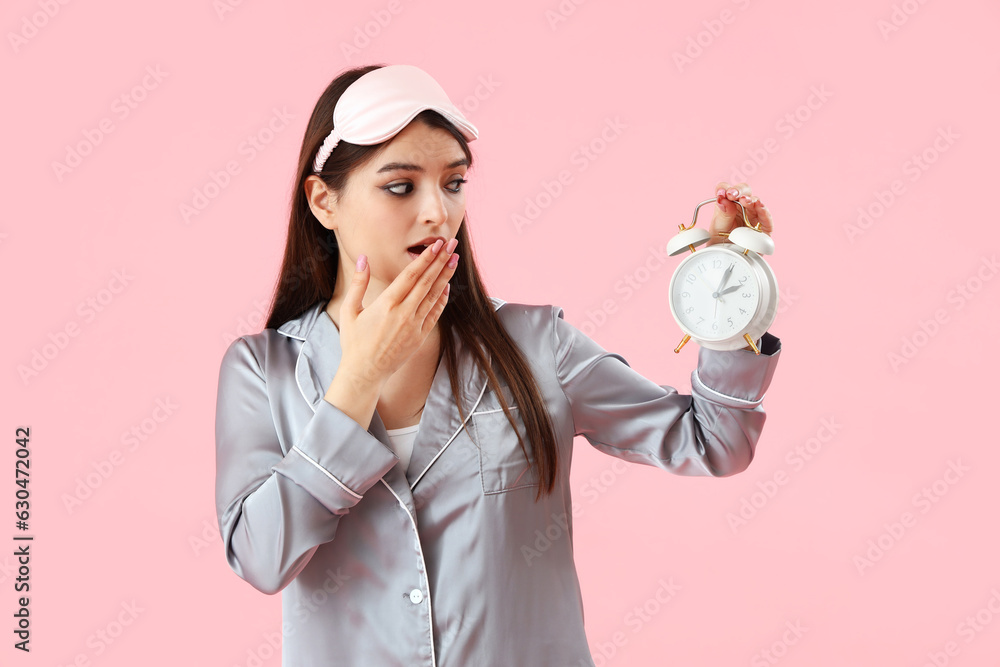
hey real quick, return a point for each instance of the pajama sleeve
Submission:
(274, 507)
(712, 431)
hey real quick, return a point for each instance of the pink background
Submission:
(819, 107)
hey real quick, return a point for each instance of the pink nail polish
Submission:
(362, 262)
(453, 261)
(437, 246)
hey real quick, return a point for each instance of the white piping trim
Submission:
(325, 471)
(489, 412)
(453, 435)
(295, 372)
(705, 387)
(423, 561)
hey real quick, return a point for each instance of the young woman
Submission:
(393, 449)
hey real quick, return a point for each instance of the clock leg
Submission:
(685, 340)
(749, 340)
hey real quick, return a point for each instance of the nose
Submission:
(433, 208)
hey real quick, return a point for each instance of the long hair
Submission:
(309, 274)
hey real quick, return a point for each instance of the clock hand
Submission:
(730, 289)
(725, 279)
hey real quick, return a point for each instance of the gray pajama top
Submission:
(437, 566)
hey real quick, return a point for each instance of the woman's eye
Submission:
(393, 190)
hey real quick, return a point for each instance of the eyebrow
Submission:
(406, 166)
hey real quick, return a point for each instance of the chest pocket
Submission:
(502, 464)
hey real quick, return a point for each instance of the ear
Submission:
(322, 201)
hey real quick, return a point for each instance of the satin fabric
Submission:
(451, 563)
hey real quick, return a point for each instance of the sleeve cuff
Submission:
(336, 460)
(736, 378)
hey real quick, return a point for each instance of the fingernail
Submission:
(453, 261)
(733, 192)
(721, 192)
(362, 262)
(452, 244)
(447, 289)
(437, 246)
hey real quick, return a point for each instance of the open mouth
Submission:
(416, 249)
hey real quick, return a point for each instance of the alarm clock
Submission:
(724, 296)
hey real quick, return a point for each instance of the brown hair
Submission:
(309, 274)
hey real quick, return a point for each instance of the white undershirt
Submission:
(402, 442)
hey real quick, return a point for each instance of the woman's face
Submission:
(411, 191)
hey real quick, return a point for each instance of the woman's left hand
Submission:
(729, 216)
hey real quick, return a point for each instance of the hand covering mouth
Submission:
(420, 247)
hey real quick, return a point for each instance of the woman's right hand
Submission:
(378, 339)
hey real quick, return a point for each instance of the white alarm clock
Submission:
(724, 296)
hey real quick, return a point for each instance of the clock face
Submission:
(715, 294)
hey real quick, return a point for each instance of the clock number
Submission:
(743, 311)
(717, 263)
(743, 280)
(700, 320)
(747, 295)
(686, 295)
(730, 320)
(690, 310)
(690, 278)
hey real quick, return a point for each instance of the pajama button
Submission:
(416, 597)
